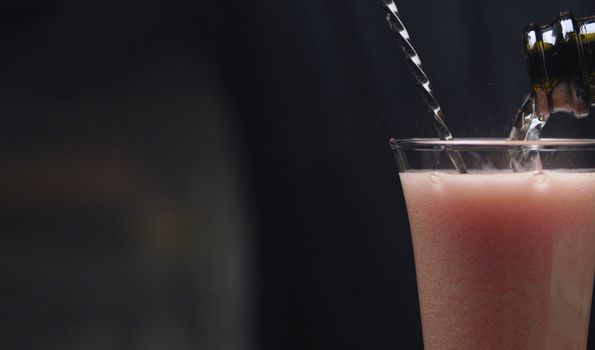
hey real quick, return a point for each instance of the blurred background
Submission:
(215, 174)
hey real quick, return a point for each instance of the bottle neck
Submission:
(587, 34)
(560, 66)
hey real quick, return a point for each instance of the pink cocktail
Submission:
(504, 260)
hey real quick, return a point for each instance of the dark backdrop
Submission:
(215, 174)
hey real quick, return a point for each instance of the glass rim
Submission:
(434, 144)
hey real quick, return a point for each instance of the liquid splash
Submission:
(528, 124)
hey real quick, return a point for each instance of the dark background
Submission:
(215, 174)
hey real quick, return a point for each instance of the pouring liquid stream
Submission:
(528, 126)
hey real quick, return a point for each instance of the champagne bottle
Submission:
(561, 62)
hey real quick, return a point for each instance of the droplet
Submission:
(434, 178)
(539, 177)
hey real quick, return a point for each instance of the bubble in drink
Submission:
(539, 177)
(434, 178)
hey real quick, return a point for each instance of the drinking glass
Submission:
(504, 258)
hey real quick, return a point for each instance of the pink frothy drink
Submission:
(504, 260)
